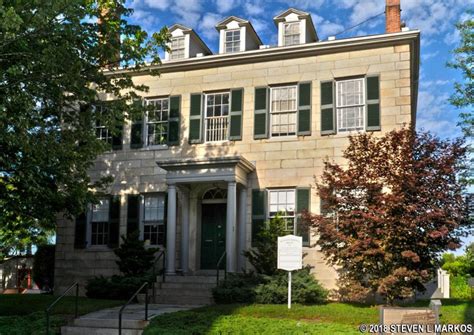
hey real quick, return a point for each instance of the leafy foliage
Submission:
(396, 205)
(459, 288)
(263, 256)
(459, 265)
(56, 65)
(134, 258)
(43, 267)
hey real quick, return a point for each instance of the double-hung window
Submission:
(153, 219)
(100, 222)
(282, 203)
(232, 41)
(177, 48)
(291, 33)
(156, 130)
(217, 117)
(350, 104)
(101, 131)
(283, 111)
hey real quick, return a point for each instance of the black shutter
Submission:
(117, 138)
(304, 109)
(258, 213)
(136, 136)
(236, 114)
(195, 119)
(328, 115)
(114, 221)
(373, 103)
(174, 120)
(260, 127)
(302, 203)
(80, 232)
(133, 213)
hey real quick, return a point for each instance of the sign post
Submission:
(290, 257)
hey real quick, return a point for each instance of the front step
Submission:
(72, 330)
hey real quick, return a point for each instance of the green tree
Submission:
(396, 204)
(55, 56)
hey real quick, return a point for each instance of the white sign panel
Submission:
(290, 252)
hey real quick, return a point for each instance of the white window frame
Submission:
(146, 123)
(281, 112)
(177, 52)
(222, 135)
(287, 218)
(105, 224)
(285, 35)
(159, 223)
(234, 45)
(105, 133)
(340, 107)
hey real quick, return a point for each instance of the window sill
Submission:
(155, 147)
(345, 134)
(98, 248)
(292, 138)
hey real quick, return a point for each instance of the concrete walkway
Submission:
(105, 321)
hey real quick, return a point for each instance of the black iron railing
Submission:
(218, 265)
(145, 285)
(50, 307)
(161, 255)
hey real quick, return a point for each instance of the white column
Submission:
(242, 227)
(230, 238)
(171, 231)
(185, 233)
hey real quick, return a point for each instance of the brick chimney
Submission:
(392, 16)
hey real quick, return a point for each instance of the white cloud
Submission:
(207, 25)
(324, 27)
(428, 55)
(223, 6)
(303, 4)
(253, 8)
(260, 25)
(158, 4)
(145, 20)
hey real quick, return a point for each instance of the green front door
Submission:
(212, 234)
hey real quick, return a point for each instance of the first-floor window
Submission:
(217, 117)
(100, 222)
(350, 104)
(153, 219)
(282, 203)
(157, 122)
(283, 111)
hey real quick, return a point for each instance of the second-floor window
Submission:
(291, 34)
(100, 222)
(217, 117)
(177, 48)
(153, 219)
(101, 131)
(350, 105)
(232, 41)
(283, 111)
(156, 130)
(282, 203)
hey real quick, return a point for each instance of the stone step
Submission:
(111, 323)
(184, 292)
(184, 300)
(73, 330)
(190, 279)
(168, 285)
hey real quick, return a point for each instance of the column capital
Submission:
(172, 185)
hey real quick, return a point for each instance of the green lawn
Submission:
(24, 314)
(331, 318)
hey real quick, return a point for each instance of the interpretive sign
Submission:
(290, 252)
(290, 257)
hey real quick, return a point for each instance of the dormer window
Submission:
(177, 48)
(292, 33)
(232, 41)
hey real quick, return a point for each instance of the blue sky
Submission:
(435, 19)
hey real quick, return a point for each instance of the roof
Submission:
(223, 24)
(192, 33)
(301, 15)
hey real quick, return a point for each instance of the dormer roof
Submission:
(301, 15)
(242, 22)
(195, 36)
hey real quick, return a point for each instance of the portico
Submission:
(197, 184)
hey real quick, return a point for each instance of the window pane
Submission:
(154, 208)
(350, 105)
(100, 211)
(157, 122)
(217, 120)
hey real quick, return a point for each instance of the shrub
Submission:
(459, 288)
(115, 287)
(134, 258)
(250, 288)
(43, 267)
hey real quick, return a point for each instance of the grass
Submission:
(331, 318)
(24, 314)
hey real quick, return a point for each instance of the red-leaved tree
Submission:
(390, 211)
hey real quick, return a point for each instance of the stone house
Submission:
(236, 137)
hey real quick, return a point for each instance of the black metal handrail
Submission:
(145, 284)
(218, 265)
(161, 254)
(48, 310)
